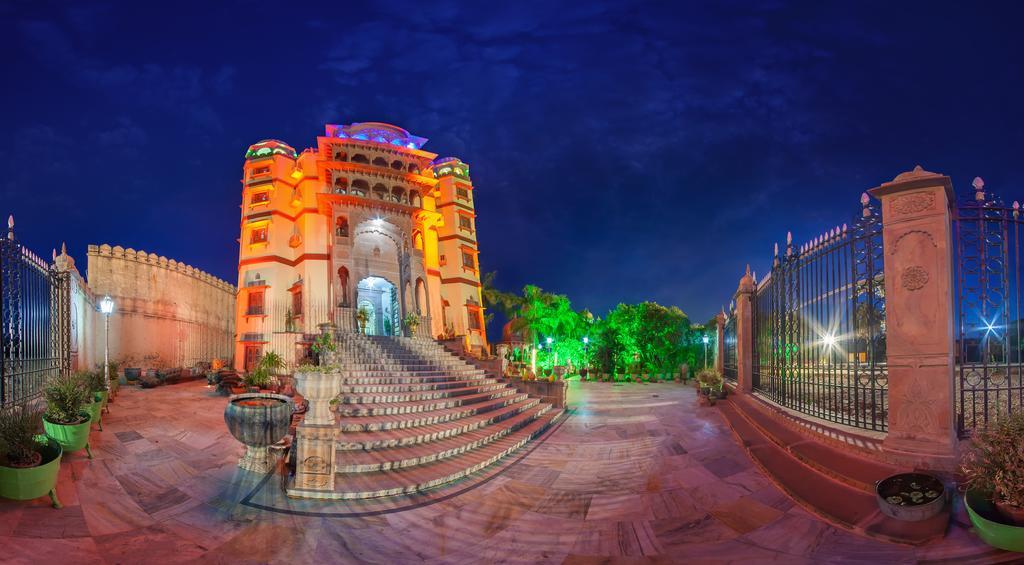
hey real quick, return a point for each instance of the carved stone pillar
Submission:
(917, 235)
(314, 458)
(720, 343)
(745, 333)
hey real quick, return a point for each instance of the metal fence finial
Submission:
(865, 203)
(1016, 209)
(979, 188)
(10, 226)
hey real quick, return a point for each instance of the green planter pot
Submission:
(985, 519)
(94, 409)
(103, 397)
(70, 437)
(34, 482)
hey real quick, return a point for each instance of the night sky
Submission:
(620, 151)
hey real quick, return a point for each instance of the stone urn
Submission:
(258, 420)
(319, 388)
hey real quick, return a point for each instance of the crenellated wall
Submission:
(167, 313)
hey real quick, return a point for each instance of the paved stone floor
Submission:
(637, 473)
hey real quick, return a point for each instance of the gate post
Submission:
(745, 334)
(720, 343)
(917, 238)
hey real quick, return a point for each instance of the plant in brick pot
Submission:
(709, 382)
(362, 317)
(66, 421)
(994, 475)
(412, 322)
(29, 462)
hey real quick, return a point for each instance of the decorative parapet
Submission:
(129, 254)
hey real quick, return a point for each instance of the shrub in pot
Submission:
(993, 470)
(29, 463)
(98, 394)
(257, 379)
(710, 382)
(66, 421)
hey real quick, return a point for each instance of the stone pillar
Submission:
(720, 343)
(745, 333)
(917, 236)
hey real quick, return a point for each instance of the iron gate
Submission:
(34, 322)
(988, 309)
(729, 364)
(819, 326)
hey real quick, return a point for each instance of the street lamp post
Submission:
(706, 339)
(107, 307)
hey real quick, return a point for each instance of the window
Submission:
(442, 260)
(260, 172)
(462, 193)
(261, 197)
(468, 261)
(474, 318)
(297, 302)
(255, 306)
(258, 235)
(252, 356)
(465, 222)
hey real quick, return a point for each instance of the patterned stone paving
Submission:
(637, 473)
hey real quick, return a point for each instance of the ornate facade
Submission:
(365, 220)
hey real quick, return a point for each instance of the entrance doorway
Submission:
(380, 299)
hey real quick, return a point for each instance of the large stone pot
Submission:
(258, 420)
(26, 483)
(319, 388)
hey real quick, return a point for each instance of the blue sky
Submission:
(621, 151)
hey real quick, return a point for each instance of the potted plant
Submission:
(96, 395)
(362, 317)
(257, 379)
(709, 382)
(993, 470)
(411, 321)
(66, 421)
(322, 346)
(29, 463)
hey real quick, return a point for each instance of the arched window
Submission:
(414, 199)
(341, 226)
(417, 240)
(360, 158)
(413, 169)
(340, 155)
(421, 297)
(380, 162)
(380, 191)
(397, 194)
(397, 165)
(340, 185)
(360, 188)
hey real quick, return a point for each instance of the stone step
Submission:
(835, 501)
(386, 459)
(409, 420)
(391, 408)
(408, 372)
(429, 433)
(417, 396)
(423, 477)
(413, 387)
(400, 379)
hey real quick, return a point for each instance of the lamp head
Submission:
(107, 305)
(586, 340)
(705, 339)
(549, 340)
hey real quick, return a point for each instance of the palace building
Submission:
(365, 220)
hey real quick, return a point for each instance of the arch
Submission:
(413, 169)
(397, 194)
(340, 155)
(397, 165)
(360, 158)
(380, 162)
(414, 199)
(421, 297)
(417, 240)
(341, 227)
(380, 191)
(343, 279)
(380, 296)
(360, 187)
(340, 185)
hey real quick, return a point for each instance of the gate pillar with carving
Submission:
(745, 333)
(917, 235)
(720, 343)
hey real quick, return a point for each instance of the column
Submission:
(720, 344)
(917, 235)
(745, 333)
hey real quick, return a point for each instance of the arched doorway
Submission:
(380, 298)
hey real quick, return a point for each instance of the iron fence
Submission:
(34, 322)
(729, 362)
(819, 326)
(987, 379)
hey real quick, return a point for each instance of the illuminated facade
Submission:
(366, 220)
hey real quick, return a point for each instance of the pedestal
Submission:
(314, 459)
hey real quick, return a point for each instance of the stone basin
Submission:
(258, 420)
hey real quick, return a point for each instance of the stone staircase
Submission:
(414, 416)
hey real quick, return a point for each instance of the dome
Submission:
(444, 166)
(270, 147)
(377, 132)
